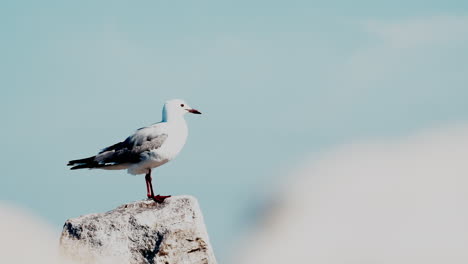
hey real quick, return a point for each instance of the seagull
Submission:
(149, 147)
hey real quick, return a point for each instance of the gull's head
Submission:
(177, 108)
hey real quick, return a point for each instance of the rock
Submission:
(140, 232)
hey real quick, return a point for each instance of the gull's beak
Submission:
(194, 111)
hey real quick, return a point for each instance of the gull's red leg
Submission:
(149, 188)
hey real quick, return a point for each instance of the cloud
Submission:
(420, 32)
(25, 238)
(408, 74)
(390, 201)
(402, 47)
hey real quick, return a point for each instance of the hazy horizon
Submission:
(276, 82)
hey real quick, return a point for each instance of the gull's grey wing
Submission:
(130, 150)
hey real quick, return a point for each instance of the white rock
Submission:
(141, 232)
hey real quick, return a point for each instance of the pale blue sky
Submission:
(276, 81)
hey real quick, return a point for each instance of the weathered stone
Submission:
(141, 232)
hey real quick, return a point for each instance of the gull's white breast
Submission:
(177, 133)
(176, 138)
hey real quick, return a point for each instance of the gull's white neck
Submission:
(177, 130)
(172, 118)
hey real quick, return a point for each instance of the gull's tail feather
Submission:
(88, 163)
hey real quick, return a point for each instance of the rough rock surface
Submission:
(140, 232)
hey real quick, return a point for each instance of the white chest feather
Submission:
(176, 138)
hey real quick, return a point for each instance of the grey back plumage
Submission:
(128, 151)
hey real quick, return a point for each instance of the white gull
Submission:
(149, 147)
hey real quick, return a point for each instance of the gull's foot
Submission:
(160, 198)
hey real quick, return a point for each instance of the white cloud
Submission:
(405, 47)
(406, 69)
(395, 201)
(25, 238)
(417, 32)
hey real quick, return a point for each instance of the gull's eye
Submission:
(182, 105)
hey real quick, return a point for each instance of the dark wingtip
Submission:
(81, 161)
